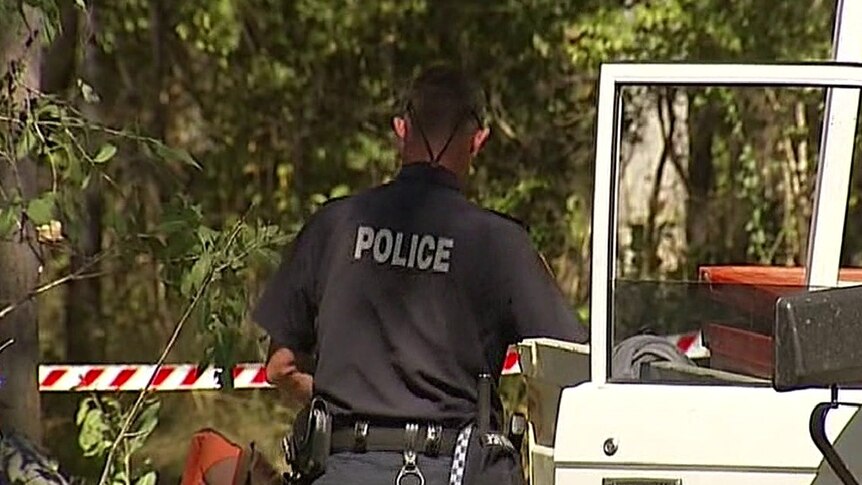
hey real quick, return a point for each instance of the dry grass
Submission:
(242, 416)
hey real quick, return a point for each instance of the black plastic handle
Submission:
(484, 404)
(817, 427)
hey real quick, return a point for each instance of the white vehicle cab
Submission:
(720, 419)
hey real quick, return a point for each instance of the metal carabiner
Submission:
(410, 468)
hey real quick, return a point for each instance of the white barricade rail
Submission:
(189, 377)
(169, 377)
(691, 344)
(134, 377)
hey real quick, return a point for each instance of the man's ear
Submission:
(479, 140)
(399, 126)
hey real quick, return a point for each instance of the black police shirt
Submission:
(405, 293)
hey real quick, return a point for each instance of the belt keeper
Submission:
(433, 439)
(360, 436)
(411, 435)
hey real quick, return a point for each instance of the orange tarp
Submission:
(214, 460)
(208, 449)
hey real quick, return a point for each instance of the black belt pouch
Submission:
(309, 444)
(492, 460)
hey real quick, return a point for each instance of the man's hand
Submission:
(282, 371)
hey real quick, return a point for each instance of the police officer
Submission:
(404, 294)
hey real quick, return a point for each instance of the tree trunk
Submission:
(85, 328)
(19, 264)
(652, 211)
(700, 227)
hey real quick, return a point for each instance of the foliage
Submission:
(75, 150)
(194, 261)
(100, 421)
(759, 151)
(211, 270)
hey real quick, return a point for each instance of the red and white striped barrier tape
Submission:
(512, 364)
(134, 377)
(691, 344)
(189, 377)
(169, 377)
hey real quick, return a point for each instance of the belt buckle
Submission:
(433, 439)
(360, 436)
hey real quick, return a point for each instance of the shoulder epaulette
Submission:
(511, 218)
(334, 199)
(329, 202)
(326, 206)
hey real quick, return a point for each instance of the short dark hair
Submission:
(441, 96)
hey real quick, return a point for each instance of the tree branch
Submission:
(6, 344)
(77, 275)
(130, 417)
(651, 261)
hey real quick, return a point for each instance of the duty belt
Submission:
(431, 440)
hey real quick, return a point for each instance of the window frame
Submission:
(833, 168)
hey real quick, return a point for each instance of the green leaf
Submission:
(176, 154)
(584, 313)
(49, 112)
(105, 153)
(195, 277)
(93, 432)
(179, 218)
(145, 425)
(8, 221)
(207, 236)
(83, 409)
(26, 143)
(148, 479)
(113, 404)
(41, 210)
(119, 478)
(87, 91)
(149, 418)
(339, 191)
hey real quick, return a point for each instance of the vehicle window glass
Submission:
(714, 206)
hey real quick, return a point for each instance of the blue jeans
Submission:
(381, 468)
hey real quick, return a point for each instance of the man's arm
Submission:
(537, 306)
(285, 372)
(287, 310)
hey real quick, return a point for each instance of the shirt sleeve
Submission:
(538, 308)
(287, 308)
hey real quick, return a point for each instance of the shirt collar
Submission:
(424, 171)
